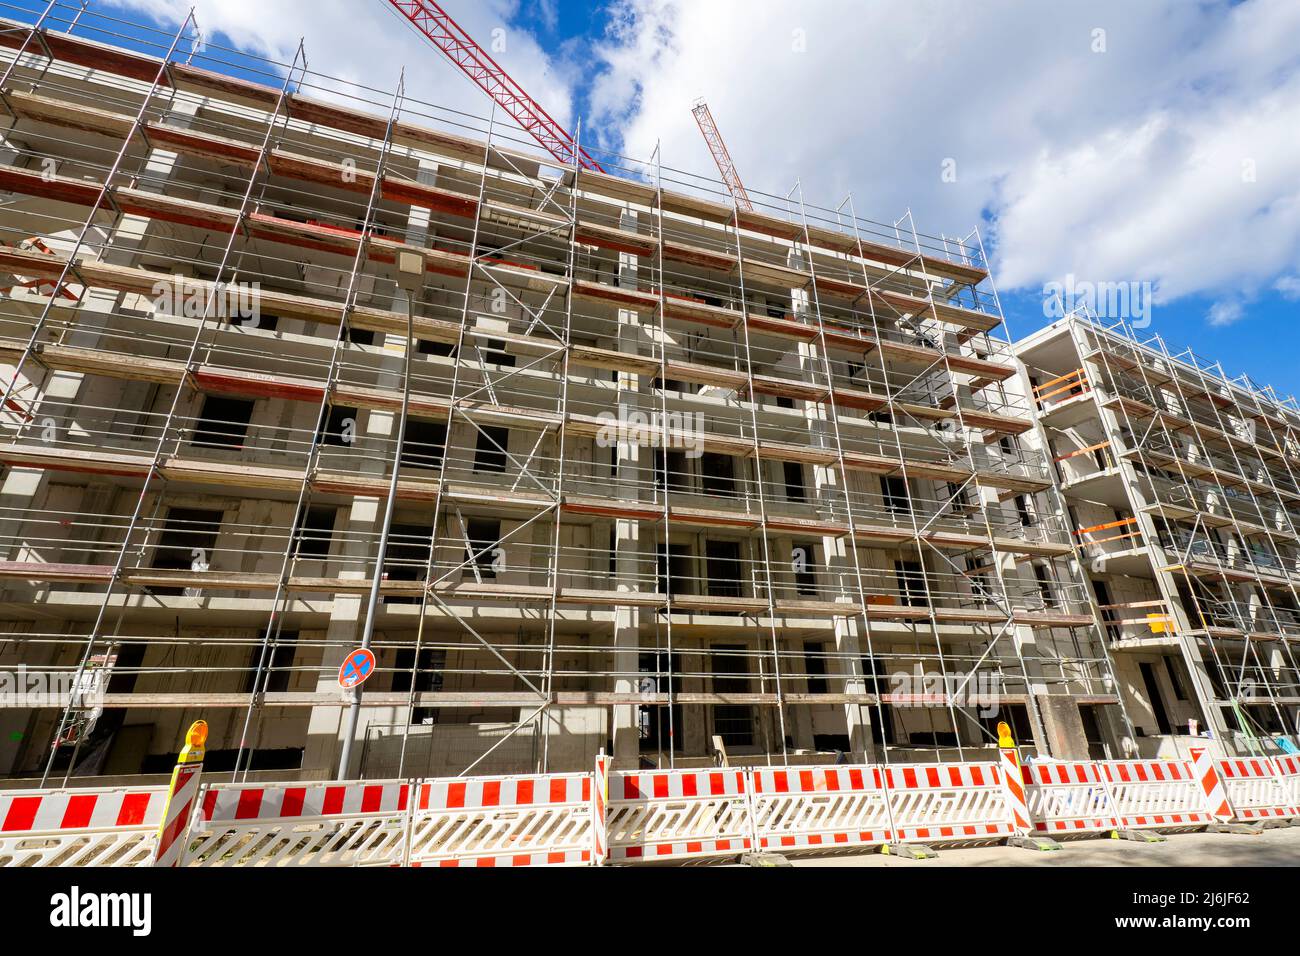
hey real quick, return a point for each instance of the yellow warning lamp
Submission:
(195, 738)
(1004, 736)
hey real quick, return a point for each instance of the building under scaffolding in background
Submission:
(678, 479)
(1181, 485)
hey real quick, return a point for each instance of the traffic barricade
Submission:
(819, 808)
(1068, 799)
(948, 802)
(1256, 789)
(101, 827)
(315, 824)
(527, 820)
(1155, 794)
(678, 814)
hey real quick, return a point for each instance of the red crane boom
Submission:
(433, 21)
(720, 155)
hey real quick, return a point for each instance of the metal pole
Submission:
(410, 271)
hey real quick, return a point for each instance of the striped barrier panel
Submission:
(1288, 767)
(819, 808)
(1013, 789)
(599, 798)
(1155, 794)
(1210, 781)
(315, 824)
(535, 820)
(109, 827)
(1256, 789)
(678, 814)
(948, 802)
(1069, 798)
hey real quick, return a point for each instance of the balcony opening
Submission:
(223, 422)
(407, 559)
(278, 662)
(719, 474)
(657, 724)
(424, 444)
(734, 723)
(675, 571)
(804, 562)
(316, 531)
(894, 491)
(490, 448)
(795, 489)
(340, 426)
(186, 543)
(427, 678)
(911, 583)
(723, 563)
(814, 667)
(484, 551)
(495, 354)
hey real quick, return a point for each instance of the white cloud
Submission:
(1288, 287)
(1225, 313)
(368, 43)
(1169, 158)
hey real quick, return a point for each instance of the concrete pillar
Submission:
(1063, 728)
(418, 231)
(634, 464)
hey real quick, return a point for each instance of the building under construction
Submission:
(1181, 486)
(676, 477)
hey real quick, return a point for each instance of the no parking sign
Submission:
(356, 668)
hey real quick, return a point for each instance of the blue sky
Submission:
(1152, 143)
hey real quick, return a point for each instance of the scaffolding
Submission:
(603, 531)
(1209, 513)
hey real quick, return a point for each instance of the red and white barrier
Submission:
(174, 830)
(1256, 790)
(503, 821)
(317, 824)
(112, 827)
(1013, 790)
(1155, 794)
(1069, 798)
(948, 802)
(599, 800)
(678, 814)
(1288, 767)
(585, 818)
(1207, 776)
(820, 807)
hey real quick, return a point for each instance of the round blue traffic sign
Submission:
(356, 667)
